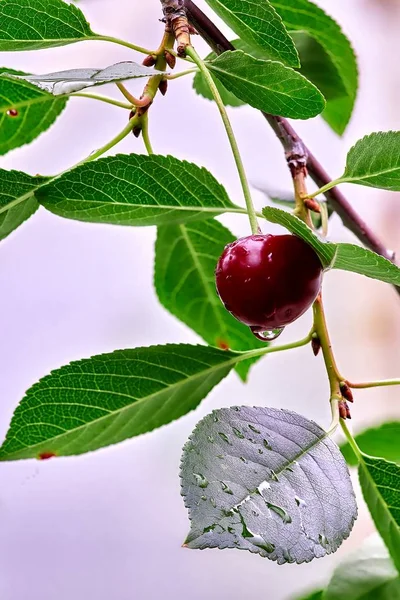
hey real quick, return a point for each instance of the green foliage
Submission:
(380, 483)
(259, 25)
(267, 85)
(136, 190)
(347, 257)
(186, 257)
(74, 80)
(109, 398)
(365, 574)
(17, 202)
(37, 24)
(36, 111)
(374, 161)
(316, 66)
(382, 441)
(302, 15)
(266, 480)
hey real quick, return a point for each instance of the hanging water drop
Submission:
(300, 503)
(226, 488)
(265, 335)
(238, 433)
(201, 481)
(223, 436)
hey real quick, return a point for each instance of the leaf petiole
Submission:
(327, 187)
(102, 99)
(372, 384)
(352, 442)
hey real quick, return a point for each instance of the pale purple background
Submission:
(110, 524)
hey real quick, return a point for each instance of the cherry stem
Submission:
(372, 384)
(191, 52)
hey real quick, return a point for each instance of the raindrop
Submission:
(204, 497)
(238, 433)
(226, 488)
(289, 469)
(255, 513)
(231, 530)
(223, 436)
(266, 335)
(220, 456)
(210, 439)
(301, 503)
(258, 541)
(323, 540)
(263, 486)
(286, 555)
(267, 445)
(274, 476)
(201, 480)
(237, 408)
(227, 513)
(254, 429)
(281, 512)
(243, 459)
(213, 503)
(216, 419)
(12, 112)
(260, 451)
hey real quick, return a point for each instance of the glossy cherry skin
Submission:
(268, 281)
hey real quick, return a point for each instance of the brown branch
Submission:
(296, 152)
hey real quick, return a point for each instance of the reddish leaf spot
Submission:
(223, 344)
(46, 455)
(12, 112)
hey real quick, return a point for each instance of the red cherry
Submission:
(268, 281)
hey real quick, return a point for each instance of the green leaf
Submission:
(318, 67)
(37, 24)
(136, 190)
(202, 88)
(374, 161)
(74, 80)
(268, 85)
(109, 398)
(17, 202)
(266, 480)
(186, 257)
(380, 484)
(258, 24)
(314, 596)
(365, 574)
(25, 111)
(346, 257)
(302, 15)
(382, 441)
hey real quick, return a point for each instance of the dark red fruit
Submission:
(268, 281)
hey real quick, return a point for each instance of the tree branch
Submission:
(296, 152)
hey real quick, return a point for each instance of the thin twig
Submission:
(294, 147)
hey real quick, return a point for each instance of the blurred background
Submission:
(111, 524)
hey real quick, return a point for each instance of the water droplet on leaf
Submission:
(201, 480)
